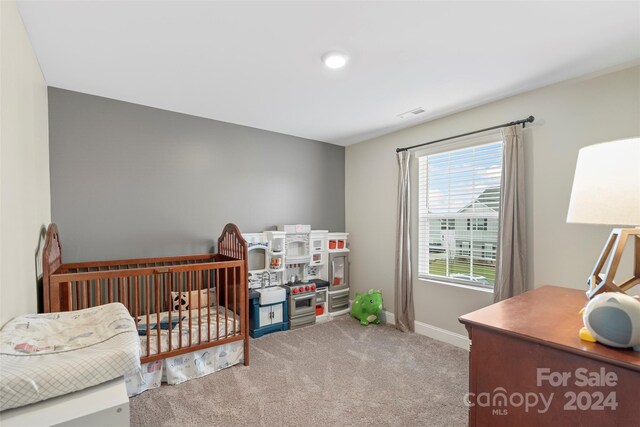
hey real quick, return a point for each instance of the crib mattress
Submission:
(211, 328)
(48, 355)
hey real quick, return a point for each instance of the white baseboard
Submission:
(431, 331)
(442, 335)
(339, 313)
(388, 317)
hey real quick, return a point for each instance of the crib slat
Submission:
(120, 289)
(207, 276)
(91, 295)
(110, 290)
(98, 284)
(217, 304)
(163, 288)
(156, 286)
(226, 302)
(125, 295)
(199, 285)
(169, 282)
(180, 309)
(147, 300)
(235, 300)
(85, 293)
(136, 299)
(189, 304)
(77, 286)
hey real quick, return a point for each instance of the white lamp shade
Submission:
(606, 185)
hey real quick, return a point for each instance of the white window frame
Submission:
(485, 139)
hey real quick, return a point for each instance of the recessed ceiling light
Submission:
(334, 59)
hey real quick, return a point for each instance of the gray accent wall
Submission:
(133, 181)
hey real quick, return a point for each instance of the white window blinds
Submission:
(459, 208)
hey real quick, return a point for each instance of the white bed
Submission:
(48, 355)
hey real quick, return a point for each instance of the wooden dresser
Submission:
(528, 367)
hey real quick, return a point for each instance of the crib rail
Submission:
(80, 267)
(148, 294)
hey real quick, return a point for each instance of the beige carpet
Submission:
(335, 373)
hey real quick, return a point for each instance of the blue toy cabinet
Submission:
(264, 319)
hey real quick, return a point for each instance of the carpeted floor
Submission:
(334, 373)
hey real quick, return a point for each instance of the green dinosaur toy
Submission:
(367, 307)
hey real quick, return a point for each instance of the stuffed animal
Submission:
(367, 307)
(612, 318)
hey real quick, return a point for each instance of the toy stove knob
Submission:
(313, 287)
(306, 288)
(295, 291)
(301, 289)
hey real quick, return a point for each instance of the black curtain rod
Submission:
(529, 119)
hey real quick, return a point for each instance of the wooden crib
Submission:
(145, 287)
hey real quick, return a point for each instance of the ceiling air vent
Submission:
(411, 113)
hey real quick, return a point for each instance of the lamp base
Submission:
(602, 281)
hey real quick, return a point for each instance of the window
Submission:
(489, 251)
(447, 224)
(465, 247)
(459, 207)
(478, 224)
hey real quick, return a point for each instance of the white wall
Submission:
(569, 115)
(24, 165)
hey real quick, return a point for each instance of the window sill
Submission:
(457, 285)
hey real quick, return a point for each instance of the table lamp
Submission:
(606, 190)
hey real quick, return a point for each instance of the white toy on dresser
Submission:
(612, 318)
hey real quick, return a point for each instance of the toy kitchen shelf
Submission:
(337, 242)
(318, 240)
(276, 238)
(276, 262)
(322, 304)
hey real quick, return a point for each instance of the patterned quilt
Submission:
(48, 355)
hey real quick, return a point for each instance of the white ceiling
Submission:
(258, 63)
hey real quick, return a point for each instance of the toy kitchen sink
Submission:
(272, 295)
(268, 311)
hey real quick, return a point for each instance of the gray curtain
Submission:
(512, 240)
(403, 290)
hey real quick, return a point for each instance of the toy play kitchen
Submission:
(297, 277)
